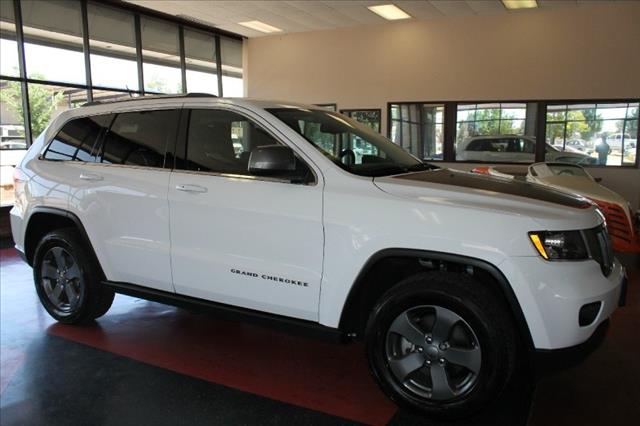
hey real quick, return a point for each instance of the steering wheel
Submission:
(566, 172)
(350, 157)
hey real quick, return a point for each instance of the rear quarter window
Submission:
(76, 141)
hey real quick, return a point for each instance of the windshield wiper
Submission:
(422, 166)
(384, 171)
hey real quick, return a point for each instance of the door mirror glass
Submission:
(272, 160)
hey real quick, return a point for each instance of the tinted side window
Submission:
(528, 146)
(498, 145)
(77, 139)
(140, 138)
(478, 145)
(221, 141)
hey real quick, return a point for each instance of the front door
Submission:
(239, 239)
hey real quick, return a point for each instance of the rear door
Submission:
(240, 239)
(120, 194)
(521, 150)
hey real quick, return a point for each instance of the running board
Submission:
(229, 312)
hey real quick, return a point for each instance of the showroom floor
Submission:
(146, 363)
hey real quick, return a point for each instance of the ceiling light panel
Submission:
(390, 12)
(520, 4)
(260, 26)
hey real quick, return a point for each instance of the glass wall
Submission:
(112, 43)
(13, 145)
(606, 132)
(8, 46)
(58, 74)
(160, 56)
(490, 119)
(53, 44)
(200, 61)
(47, 101)
(418, 128)
(586, 133)
(231, 58)
(121, 42)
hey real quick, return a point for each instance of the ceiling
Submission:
(297, 16)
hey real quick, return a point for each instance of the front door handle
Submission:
(90, 176)
(191, 188)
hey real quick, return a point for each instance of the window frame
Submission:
(446, 106)
(450, 121)
(182, 144)
(596, 102)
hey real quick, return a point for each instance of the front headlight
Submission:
(559, 245)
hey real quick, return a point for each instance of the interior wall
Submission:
(585, 52)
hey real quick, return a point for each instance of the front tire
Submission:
(442, 344)
(68, 279)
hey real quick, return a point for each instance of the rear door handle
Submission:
(191, 188)
(90, 176)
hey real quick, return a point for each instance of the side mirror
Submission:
(272, 160)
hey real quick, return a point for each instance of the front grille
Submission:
(599, 246)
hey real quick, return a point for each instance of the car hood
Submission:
(582, 186)
(549, 207)
(587, 188)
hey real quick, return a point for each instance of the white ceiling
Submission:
(310, 15)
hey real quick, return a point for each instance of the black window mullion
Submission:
(219, 65)
(420, 141)
(86, 51)
(450, 117)
(138, 31)
(23, 73)
(541, 132)
(183, 62)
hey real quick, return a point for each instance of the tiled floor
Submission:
(146, 363)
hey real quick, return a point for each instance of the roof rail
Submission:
(185, 95)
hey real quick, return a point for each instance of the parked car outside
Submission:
(12, 150)
(512, 149)
(615, 142)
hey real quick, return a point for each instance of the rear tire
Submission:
(442, 344)
(68, 278)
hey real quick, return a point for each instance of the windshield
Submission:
(546, 170)
(349, 144)
(567, 170)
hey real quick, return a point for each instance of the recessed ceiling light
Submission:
(260, 26)
(389, 11)
(520, 4)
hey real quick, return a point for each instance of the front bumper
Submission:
(552, 294)
(549, 361)
(560, 359)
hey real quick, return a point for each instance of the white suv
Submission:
(450, 278)
(515, 149)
